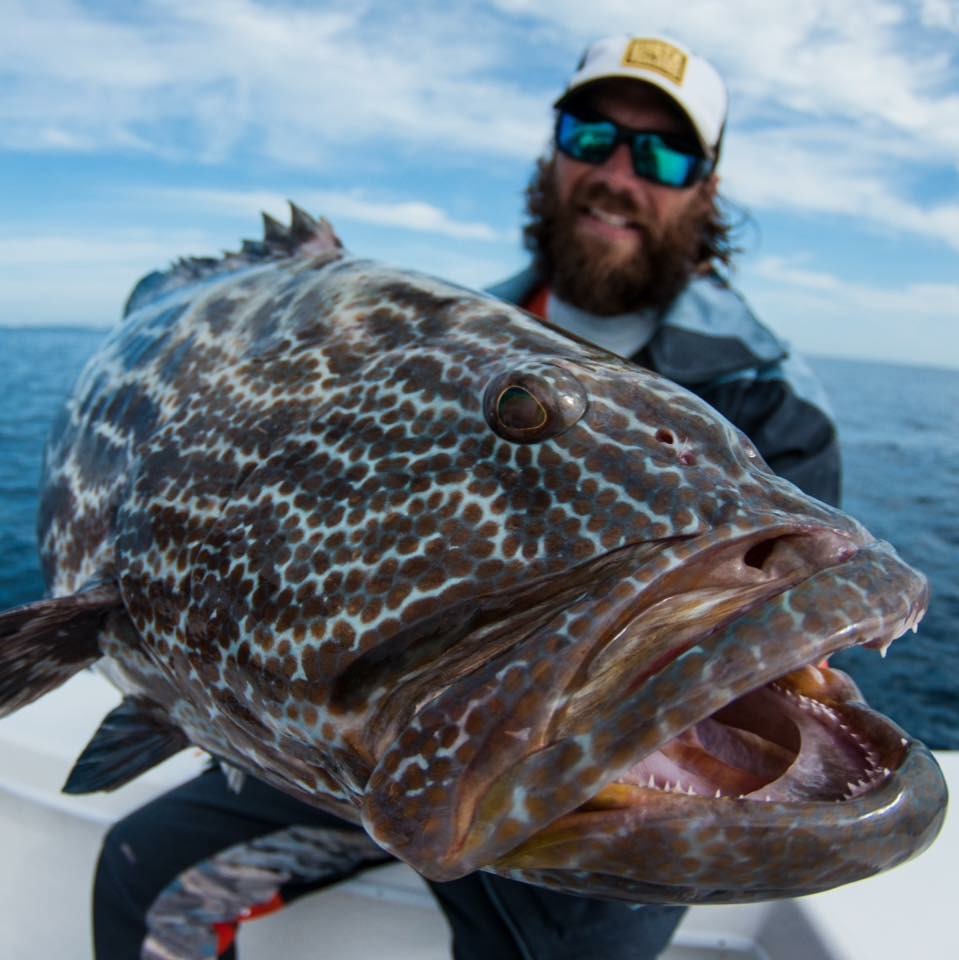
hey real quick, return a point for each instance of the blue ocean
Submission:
(900, 435)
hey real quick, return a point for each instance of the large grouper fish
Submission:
(509, 601)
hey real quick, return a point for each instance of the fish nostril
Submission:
(664, 436)
(789, 554)
(759, 553)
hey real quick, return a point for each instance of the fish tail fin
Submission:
(45, 643)
(132, 738)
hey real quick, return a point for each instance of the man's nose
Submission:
(619, 166)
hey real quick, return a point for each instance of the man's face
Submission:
(617, 242)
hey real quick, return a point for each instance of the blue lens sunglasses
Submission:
(593, 141)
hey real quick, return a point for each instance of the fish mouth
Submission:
(791, 740)
(833, 792)
(674, 734)
(775, 783)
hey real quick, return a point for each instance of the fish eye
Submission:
(533, 404)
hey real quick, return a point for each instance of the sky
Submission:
(135, 133)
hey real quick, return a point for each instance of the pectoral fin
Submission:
(132, 738)
(45, 643)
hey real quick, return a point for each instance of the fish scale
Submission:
(419, 559)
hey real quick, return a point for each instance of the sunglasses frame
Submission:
(638, 141)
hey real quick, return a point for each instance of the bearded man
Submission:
(627, 239)
(625, 235)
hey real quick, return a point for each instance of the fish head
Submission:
(643, 710)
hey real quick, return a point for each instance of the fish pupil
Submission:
(518, 409)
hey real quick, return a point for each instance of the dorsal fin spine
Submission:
(306, 236)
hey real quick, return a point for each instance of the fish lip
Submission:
(719, 563)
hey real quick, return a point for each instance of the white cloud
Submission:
(122, 247)
(862, 61)
(298, 83)
(818, 172)
(352, 205)
(939, 301)
(940, 13)
(65, 279)
(822, 313)
(835, 108)
(73, 276)
(292, 83)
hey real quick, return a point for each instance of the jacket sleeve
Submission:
(796, 436)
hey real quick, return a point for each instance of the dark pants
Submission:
(176, 876)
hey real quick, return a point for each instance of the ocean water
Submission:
(900, 436)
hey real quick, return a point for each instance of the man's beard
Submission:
(586, 273)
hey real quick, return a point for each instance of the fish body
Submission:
(507, 600)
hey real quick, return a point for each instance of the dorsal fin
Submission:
(132, 738)
(274, 233)
(45, 643)
(303, 226)
(306, 236)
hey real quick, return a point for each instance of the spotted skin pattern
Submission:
(414, 557)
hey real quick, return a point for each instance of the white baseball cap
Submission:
(691, 82)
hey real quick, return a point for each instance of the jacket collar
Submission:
(707, 333)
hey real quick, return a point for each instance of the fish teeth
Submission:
(669, 786)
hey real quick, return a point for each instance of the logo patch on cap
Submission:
(658, 56)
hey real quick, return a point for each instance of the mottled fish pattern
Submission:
(507, 600)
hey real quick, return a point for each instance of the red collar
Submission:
(537, 303)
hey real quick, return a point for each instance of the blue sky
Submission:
(133, 133)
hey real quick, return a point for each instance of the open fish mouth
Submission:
(790, 740)
(674, 734)
(770, 783)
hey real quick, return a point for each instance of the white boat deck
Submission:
(50, 842)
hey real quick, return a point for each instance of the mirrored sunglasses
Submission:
(593, 140)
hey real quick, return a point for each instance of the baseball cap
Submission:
(692, 82)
